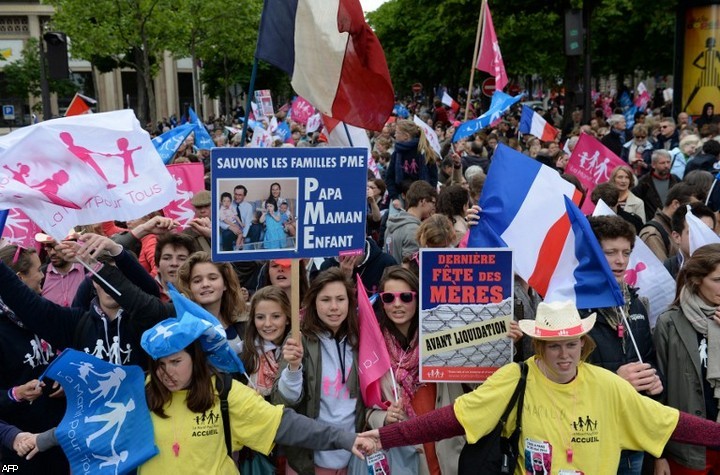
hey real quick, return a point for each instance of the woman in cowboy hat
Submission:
(578, 416)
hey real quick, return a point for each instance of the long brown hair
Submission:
(702, 263)
(410, 128)
(311, 324)
(232, 305)
(405, 275)
(249, 355)
(201, 393)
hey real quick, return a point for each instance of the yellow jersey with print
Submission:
(578, 427)
(191, 442)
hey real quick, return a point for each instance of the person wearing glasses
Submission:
(398, 313)
(669, 137)
(638, 150)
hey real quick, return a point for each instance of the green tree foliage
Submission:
(22, 77)
(432, 41)
(130, 32)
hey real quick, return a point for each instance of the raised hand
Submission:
(293, 353)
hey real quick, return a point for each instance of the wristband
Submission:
(97, 266)
(13, 394)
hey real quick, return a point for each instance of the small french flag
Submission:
(450, 102)
(532, 123)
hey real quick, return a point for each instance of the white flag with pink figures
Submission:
(82, 170)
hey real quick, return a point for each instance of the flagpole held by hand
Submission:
(474, 61)
(632, 337)
(92, 271)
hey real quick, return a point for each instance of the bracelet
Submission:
(13, 395)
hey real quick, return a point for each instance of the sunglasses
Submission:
(390, 297)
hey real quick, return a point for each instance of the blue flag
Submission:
(202, 137)
(168, 143)
(282, 131)
(401, 111)
(3, 219)
(500, 103)
(214, 340)
(107, 427)
(625, 100)
(630, 117)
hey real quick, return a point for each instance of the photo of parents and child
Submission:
(257, 214)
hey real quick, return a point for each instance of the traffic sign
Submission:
(488, 86)
(8, 112)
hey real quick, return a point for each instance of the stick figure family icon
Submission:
(50, 186)
(592, 164)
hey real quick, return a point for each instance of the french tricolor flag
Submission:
(533, 123)
(528, 207)
(334, 59)
(450, 102)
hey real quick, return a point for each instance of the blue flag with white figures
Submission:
(499, 103)
(168, 143)
(214, 340)
(107, 427)
(202, 137)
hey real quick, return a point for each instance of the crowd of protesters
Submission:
(416, 198)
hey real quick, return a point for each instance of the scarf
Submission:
(700, 314)
(661, 178)
(406, 364)
(268, 367)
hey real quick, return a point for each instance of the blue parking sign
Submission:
(8, 112)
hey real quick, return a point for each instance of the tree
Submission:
(131, 32)
(22, 77)
(420, 45)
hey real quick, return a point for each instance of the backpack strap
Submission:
(663, 233)
(519, 393)
(223, 382)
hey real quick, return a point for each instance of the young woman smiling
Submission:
(318, 375)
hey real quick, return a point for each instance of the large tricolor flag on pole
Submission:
(333, 57)
(524, 207)
(533, 123)
(489, 58)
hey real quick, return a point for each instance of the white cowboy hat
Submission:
(557, 321)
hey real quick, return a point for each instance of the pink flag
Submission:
(490, 59)
(20, 230)
(301, 110)
(374, 359)
(592, 163)
(189, 178)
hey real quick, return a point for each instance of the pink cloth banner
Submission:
(20, 230)
(592, 163)
(189, 178)
(301, 110)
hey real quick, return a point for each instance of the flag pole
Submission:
(474, 61)
(251, 88)
(347, 132)
(632, 337)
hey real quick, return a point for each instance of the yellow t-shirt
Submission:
(595, 416)
(200, 437)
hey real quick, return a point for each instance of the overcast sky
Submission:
(371, 5)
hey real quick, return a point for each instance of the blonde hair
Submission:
(424, 147)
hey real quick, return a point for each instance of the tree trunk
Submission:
(147, 77)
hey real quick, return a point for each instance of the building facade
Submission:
(22, 20)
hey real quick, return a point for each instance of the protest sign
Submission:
(466, 306)
(189, 179)
(294, 202)
(592, 163)
(264, 102)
